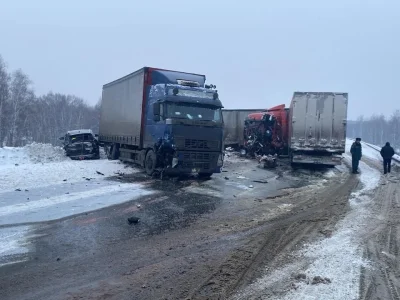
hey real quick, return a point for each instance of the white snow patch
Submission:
(39, 175)
(330, 174)
(338, 258)
(57, 200)
(32, 153)
(14, 245)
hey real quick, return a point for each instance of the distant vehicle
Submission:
(81, 144)
(165, 121)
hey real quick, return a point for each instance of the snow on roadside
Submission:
(38, 175)
(38, 165)
(14, 245)
(32, 153)
(338, 258)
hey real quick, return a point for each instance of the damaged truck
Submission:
(165, 121)
(311, 131)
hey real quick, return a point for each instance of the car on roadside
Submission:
(81, 144)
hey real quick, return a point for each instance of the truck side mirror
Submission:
(156, 111)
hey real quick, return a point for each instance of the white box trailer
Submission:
(317, 127)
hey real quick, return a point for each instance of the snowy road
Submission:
(40, 184)
(338, 259)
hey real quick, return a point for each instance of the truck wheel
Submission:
(150, 162)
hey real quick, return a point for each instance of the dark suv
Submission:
(81, 144)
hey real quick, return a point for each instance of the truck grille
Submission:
(201, 144)
(196, 156)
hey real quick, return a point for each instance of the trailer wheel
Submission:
(150, 162)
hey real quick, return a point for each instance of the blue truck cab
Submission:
(163, 120)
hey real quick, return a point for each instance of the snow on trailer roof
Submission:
(79, 131)
(166, 74)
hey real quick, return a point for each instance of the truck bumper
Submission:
(331, 160)
(197, 162)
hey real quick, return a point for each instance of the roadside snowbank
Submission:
(32, 153)
(38, 165)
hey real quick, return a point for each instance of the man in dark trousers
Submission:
(387, 153)
(356, 154)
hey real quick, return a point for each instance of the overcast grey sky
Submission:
(256, 52)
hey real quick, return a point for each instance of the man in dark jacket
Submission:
(387, 153)
(356, 154)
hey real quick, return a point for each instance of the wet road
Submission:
(179, 219)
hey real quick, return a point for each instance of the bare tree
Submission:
(21, 94)
(4, 96)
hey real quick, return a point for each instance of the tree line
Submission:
(26, 118)
(377, 129)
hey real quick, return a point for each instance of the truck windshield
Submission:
(192, 112)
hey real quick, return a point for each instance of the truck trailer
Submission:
(317, 127)
(162, 120)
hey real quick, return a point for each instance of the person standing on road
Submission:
(356, 154)
(387, 153)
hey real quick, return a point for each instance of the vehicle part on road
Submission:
(133, 220)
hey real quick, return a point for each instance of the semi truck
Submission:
(164, 121)
(311, 131)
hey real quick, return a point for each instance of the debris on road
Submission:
(301, 276)
(18, 190)
(268, 160)
(65, 180)
(260, 181)
(138, 206)
(99, 173)
(58, 259)
(133, 220)
(319, 279)
(226, 178)
(251, 186)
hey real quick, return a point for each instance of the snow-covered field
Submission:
(38, 183)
